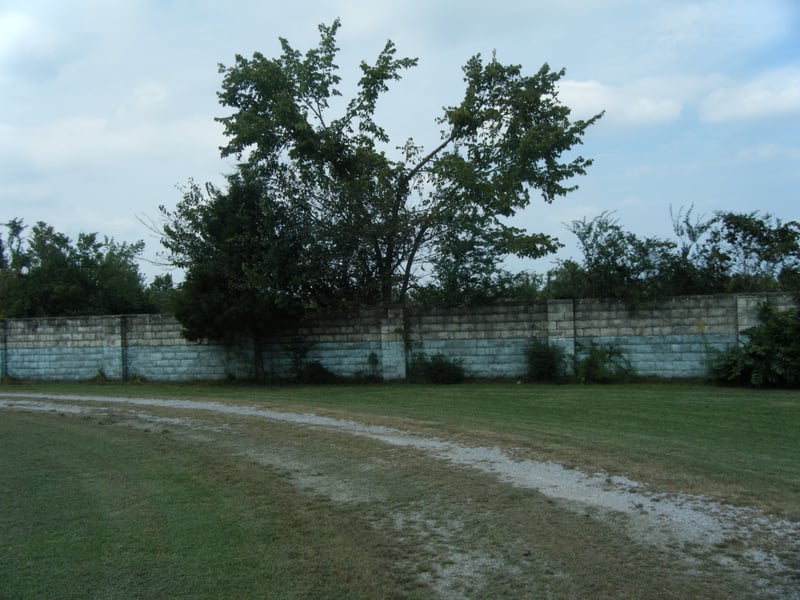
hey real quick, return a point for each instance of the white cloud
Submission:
(16, 30)
(775, 93)
(716, 28)
(769, 152)
(86, 141)
(21, 41)
(30, 48)
(29, 191)
(636, 103)
(149, 94)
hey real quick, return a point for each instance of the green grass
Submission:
(91, 507)
(95, 511)
(737, 444)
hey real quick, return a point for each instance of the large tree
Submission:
(380, 212)
(243, 252)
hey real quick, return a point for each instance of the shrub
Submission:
(315, 373)
(434, 369)
(100, 378)
(770, 355)
(298, 351)
(546, 361)
(417, 368)
(373, 373)
(602, 363)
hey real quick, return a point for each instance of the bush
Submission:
(602, 363)
(315, 373)
(373, 373)
(729, 366)
(770, 355)
(417, 368)
(434, 369)
(546, 361)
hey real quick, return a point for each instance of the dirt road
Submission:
(474, 517)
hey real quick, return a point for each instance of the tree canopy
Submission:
(45, 274)
(726, 253)
(380, 213)
(323, 211)
(242, 253)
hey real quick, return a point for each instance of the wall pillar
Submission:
(746, 313)
(561, 324)
(393, 346)
(123, 346)
(3, 349)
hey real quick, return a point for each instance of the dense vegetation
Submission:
(769, 355)
(728, 252)
(44, 274)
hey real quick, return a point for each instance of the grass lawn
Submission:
(740, 445)
(111, 512)
(103, 512)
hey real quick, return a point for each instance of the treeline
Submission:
(725, 253)
(43, 273)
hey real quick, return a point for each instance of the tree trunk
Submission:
(258, 359)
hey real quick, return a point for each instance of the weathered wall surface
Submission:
(156, 351)
(348, 345)
(490, 341)
(669, 339)
(47, 349)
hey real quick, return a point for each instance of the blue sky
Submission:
(106, 106)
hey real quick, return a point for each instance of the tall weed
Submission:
(602, 363)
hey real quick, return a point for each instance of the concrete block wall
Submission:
(156, 351)
(347, 345)
(670, 338)
(63, 349)
(489, 341)
(344, 344)
(747, 308)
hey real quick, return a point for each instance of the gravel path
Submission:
(656, 519)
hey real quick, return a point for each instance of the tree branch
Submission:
(430, 156)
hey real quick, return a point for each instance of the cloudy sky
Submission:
(106, 106)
